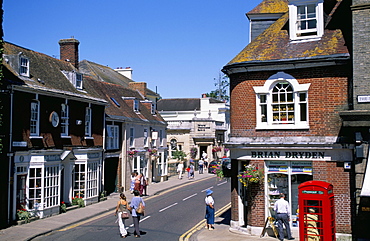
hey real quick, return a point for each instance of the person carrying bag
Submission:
(137, 207)
(123, 213)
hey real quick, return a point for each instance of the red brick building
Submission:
(287, 87)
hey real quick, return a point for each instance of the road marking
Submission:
(190, 196)
(186, 236)
(168, 207)
(148, 198)
(221, 183)
(207, 189)
(144, 219)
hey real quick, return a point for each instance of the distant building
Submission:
(200, 123)
(132, 126)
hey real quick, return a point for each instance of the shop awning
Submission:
(365, 191)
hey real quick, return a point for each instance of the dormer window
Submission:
(306, 20)
(153, 107)
(24, 69)
(78, 81)
(75, 78)
(136, 105)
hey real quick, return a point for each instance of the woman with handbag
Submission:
(123, 213)
(137, 207)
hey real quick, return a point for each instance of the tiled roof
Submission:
(182, 104)
(45, 72)
(274, 44)
(125, 110)
(270, 6)
(106, 74)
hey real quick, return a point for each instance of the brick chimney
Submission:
(139, 86)
(69, 50)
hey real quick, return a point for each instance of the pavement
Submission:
(79, 216)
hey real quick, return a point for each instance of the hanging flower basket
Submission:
(153, 152)
(251, 175)
(131, 153)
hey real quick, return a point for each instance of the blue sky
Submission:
(178, 47)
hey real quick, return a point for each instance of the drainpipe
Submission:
(10, 154)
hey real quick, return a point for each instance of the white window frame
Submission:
(88, 121)
(35, 183)
(35, 118)
(78, 81)
(51, 186)
(112, 137)
(267, 89)
(92, 180)
(132, 137)
(136, 105)
(294, 32)
(24, 66)
(64, 119)
(146, 137)
(79, 180)
(160, 137)
(153, 107)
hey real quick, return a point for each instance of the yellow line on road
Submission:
(201, 224)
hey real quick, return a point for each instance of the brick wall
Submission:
(335, 174)
(327, 96)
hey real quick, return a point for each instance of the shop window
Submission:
(306, 21)
(79, 181)
(92, 180)
(285, 177)
(282, 103)
(51, 183)
(35, 188)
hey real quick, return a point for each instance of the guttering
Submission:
(10, 154)
(286, 64)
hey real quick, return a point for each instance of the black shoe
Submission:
(290, 238)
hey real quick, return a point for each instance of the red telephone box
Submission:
(316, 211)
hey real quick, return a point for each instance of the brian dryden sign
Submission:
(288, 154)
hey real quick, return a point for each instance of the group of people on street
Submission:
(139, 182)
(123, 208)
(202, 165)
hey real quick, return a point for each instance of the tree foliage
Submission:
(221, 92)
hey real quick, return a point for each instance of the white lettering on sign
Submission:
(363, 98)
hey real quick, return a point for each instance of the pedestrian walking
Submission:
(210, 210)
(180, 168)
(135, 202)
(143, 184)
(137, 181)
(200, 166)
(123, 213)
(132, 184)
(205, 160)
(191, 170)
(282, 214)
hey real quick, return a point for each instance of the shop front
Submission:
(284, 170)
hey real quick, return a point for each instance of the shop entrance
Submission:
(285, 177)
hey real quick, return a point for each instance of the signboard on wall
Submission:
(277, 166)
(301, 167)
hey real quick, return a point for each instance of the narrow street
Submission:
(168, 215)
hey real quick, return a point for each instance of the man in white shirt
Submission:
(282, 214)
